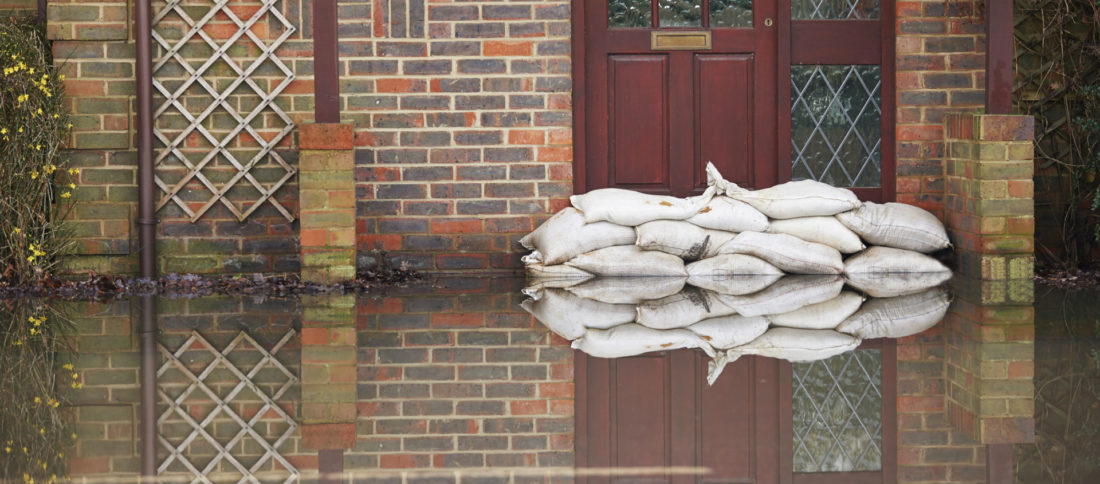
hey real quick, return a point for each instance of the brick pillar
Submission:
(990, 389)
(990, 210)
(327, 196)
(328, 372)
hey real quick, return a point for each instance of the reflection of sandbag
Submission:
(788, 294)
(565, 235)
(628, 290)
(634, 339)
(821, 230)
(823, 315)
(568, 315)
(728, 331)
(897, 225)
(727, 214)
(805, 198)
(681, 310)
(679, 238)
(798, 344)
(789, 253)
(888, 272)
(731, 265)
(629, 260)
(626, 207)
(734, 285)
(896, 317)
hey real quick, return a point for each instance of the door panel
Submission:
(639, 122)
(715, 103)
(723, 100)
(640, 419)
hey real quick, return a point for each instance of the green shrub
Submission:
(35, 189)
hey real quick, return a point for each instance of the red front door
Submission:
(670, 86)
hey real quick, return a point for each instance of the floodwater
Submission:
(456, 382)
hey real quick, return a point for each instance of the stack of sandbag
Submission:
(798, 317)
(800, 227)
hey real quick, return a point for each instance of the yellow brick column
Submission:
(326, 180)
(329, 359)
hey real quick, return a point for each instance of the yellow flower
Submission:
(17, 230)
(20, 129)
(34, 175)
(7, 449)
(42, 431)
(39, 110)
(3, 130)
(66, 195)
(67, 366)
(37, 400)
(75, 376)
(62, 77)
(30, 258)
(55, 116)
(74, 171)
(72, 185)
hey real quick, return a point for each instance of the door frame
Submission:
(782, 171)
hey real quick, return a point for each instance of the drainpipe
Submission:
(147, 225)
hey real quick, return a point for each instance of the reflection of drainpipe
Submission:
(146, 237)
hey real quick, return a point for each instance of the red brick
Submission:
(403, 461)
(328, 436)
(503, 48)
(314, 336)
(400, 85)
(526, 137)
(458, 320)
(528, 407)
(325, 136)
(90, 465)
(550, 390)
(456, 226)
(314, 237)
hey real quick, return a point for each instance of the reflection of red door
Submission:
(653, 118)
(657, 411)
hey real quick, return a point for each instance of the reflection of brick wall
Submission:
(15, 7)
(460, 382)
(108, 363)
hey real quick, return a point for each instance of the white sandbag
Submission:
(734, 285)
(568, 315)
(681, 310)
(727, 214)
(897, 225)
(804, 198)
(897, 317)
(628, 290)
(717, 239)
(786, 295)
(888, 272)
(626, 207)
(724, 265)
(629, 260)
(538, 270)
(789, 253)
(797, 344)
(566, 235)
(633, 339)
(728, 331)
(823, 315)
(821, 230)
(679, 238)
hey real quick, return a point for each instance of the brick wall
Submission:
(94, 47)
(464, 130)
(940, 69)
(17, 7)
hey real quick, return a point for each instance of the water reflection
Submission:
(457, 382)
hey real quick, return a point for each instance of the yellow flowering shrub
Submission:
(35, 187)
(36, 386)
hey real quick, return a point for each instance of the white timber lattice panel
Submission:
(203, 429)
(217, 123)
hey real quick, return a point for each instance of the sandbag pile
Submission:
(735, 271)
(800, 227)
(797, 317)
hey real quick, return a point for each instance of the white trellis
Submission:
(176, 407)
(220, 145)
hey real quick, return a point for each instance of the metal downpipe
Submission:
(147, 225)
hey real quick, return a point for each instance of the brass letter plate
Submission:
(689, 40)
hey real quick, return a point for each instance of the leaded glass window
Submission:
(680, 13)
(731, 13)
(837, 413)
(836, 124)
(834, 9)
(629, 13)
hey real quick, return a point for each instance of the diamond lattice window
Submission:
(837, 413)
(834, 9)
(836, 124)
(216, 78)
(220, 415)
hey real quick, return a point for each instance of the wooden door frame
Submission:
(888, 89)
